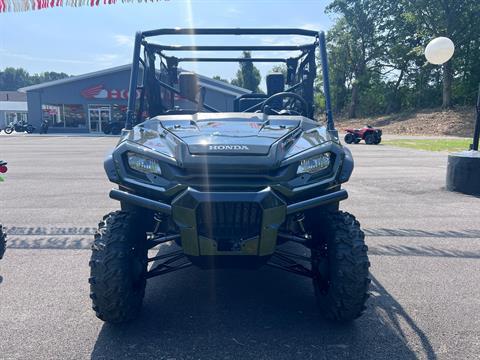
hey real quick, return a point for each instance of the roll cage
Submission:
(156, 89)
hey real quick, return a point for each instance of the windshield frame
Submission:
(301, 69)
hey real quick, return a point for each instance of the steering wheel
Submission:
(283, 95)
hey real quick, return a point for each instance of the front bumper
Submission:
(208, 221)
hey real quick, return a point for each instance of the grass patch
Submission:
(451, 145)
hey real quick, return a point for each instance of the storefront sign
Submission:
(100, 92)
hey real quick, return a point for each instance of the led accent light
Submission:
(143, 164)
(314, 164)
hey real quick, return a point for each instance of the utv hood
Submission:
(228, 134)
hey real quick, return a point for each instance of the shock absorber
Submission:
(158, 218)
(300, 220)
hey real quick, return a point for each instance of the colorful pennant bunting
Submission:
(29, 5)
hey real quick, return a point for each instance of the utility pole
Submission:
(476, 132)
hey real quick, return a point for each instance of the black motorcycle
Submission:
(19, 127)
(44, 127)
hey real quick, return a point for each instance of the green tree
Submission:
(376, 54)
(340, 64)
(458, 20)
(361, 23)
(11, 79)
(219, 78)
(248, 76)
(281, 69)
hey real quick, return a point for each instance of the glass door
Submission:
(104, 118)
(98, 118)
(94, 119)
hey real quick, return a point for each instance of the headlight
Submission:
(314, 164)
(143, 164)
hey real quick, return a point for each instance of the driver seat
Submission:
(275, 83)
(246, 101)
(190, 89)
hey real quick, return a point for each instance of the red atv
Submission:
(371, 135)
(3, 168)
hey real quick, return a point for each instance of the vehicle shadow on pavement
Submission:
(78, 238)
(267, 314)
(420, 250)
(383, 232)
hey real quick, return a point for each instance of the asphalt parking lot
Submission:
(424, 249)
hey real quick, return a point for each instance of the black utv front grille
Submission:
(228, 223)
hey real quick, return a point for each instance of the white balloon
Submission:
(439, 50)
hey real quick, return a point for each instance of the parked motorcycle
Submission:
(44, 127)
(19, 127)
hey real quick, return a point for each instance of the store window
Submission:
(74, 116)
(65, 115)
(118, 113)
(14, 117)
(52, 113)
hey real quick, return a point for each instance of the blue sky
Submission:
(80, 40)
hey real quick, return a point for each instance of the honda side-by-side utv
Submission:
(229, 188)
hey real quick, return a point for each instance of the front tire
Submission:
(117, 267)
(340, 262)
(349, 138)
(8, 130)
(370, 139)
